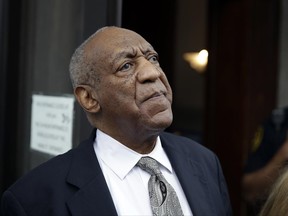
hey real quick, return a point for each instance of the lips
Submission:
(155, 95)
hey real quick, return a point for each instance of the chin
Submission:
(157, 119)
(162, 123)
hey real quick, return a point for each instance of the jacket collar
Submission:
(191, 175)
(86, 174)
(93, 196)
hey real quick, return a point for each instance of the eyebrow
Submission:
(131, 53)
(124, 54)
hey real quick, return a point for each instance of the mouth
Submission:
(155, 95)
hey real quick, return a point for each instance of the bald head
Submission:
(87, 60)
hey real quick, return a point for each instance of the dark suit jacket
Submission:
(73, 183)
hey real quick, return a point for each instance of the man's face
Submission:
(133, 92)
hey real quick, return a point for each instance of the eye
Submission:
(125, 67)
(153, 59)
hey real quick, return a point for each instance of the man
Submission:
(268, 156)
(119, 83)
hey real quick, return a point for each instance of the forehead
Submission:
(107, 44)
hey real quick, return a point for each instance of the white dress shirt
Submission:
(128, 184)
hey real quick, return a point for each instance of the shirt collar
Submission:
(121, 159)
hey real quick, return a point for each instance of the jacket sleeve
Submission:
(10, 205)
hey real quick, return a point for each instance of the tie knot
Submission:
(150, 165)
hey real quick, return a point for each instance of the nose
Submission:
(148, 72)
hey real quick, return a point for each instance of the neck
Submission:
(136, 142)
(144, 147)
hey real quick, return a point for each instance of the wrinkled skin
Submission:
(132, 101)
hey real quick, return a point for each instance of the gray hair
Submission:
(83, 71)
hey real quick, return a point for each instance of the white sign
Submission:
(51, 124)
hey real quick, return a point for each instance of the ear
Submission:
(86, 98)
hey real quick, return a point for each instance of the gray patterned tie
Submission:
(163, 198)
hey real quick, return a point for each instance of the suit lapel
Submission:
(191, 176)
(93, 196)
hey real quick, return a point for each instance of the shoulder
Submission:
(45, 185)
(184, 151)
(59, 165)
(277, 117)
(52, 173)
(53, 182)
(41, 185)
(44, 175)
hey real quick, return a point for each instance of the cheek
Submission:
(117, 93)
(170, 96)
(119, 97)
